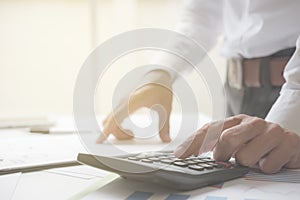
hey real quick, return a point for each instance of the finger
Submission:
(194, 143)
(233, 138)
(215, 130)
(110, 125)
(293, 143)
(128, 106)
(101, 138)
(123, 134)
(106, 130)
(164, 132)
(273, 162)
(277, 158)
(113, 121)
(113, 127)
(250, 153)
(164, 121)
(191, 145)
(119, 133)
(105, 120)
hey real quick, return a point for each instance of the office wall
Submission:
(44, 43)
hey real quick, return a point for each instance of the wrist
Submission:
(157, 76)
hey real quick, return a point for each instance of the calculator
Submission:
(162, 167)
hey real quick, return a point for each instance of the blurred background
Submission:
(43, 44)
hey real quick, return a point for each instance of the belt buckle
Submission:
(235, 73)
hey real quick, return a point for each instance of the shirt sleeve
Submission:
(286, 110)
(201, 21)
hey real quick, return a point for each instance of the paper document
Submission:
(8, 184)
(83, 171)
(285, 176)
(38, 149)
(239, 189)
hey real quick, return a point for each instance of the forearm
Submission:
(198, 31)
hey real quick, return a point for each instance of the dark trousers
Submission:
(253, 101)
(250, 100)
(256, 101)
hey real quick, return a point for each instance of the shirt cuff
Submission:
(157, 76)
(285, 111)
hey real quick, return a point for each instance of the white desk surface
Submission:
(45, 185)
(48, 185)
(42, 184)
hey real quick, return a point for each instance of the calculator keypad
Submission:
(194, 163)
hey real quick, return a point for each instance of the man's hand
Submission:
(158, 97)
(252, 141)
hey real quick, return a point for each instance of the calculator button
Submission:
(163, 157)
(216, 165)
(196, 167)
(166, 161)
(141, 156)
(200, 161)
(206, 166)
(180, 164)
(208, 160)
(190, 158)
(195, 158)
(190, 162)
(133, 158)
(171, 156)
(204, 157)
(178, 160)
(147, 160)
(155, 159)
(168, 154)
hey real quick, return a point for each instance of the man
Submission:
(259, 40)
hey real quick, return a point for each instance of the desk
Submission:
(45, 185)
(238, 189)
(48, 185)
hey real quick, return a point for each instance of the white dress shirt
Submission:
(286, 110)
(251, 28)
